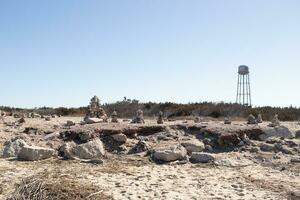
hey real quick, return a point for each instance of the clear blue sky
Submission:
(60, 53)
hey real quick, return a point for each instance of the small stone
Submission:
(120, 138)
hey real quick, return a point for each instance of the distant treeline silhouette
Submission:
(127, 109)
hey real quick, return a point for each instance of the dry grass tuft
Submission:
(43, 188)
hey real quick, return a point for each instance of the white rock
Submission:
(91, 120)
(193, 145)
(198, 157)
(120, 138)
(169, 154)
(33, 153)
(12, 148)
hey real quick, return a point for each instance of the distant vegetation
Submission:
(127, 109)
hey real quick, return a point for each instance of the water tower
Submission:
(243, 96)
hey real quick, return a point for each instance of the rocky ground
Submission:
(176, 160)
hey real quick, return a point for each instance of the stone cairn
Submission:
(251, 119)
(160, 117)
(114, 117)
(275, 121)
(227, 120)
(95, 110)
(139, 119)
(259, 119)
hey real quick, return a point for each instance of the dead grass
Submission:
(43, 187)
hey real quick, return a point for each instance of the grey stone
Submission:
(169, 154)
(70, 123)
(120, 138)
(267, 147)
(51, 136)
(279, 132)
(90, 150)
(33, 153)
(198, 157)
(193, 145)
(12, 148)
(91, 120)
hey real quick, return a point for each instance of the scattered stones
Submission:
(251, 119)
(160, 118)
(169, 154)
(114, 117)
(193, 145)
(198, 157)
(139, 119)
(33, 153)
(275, 121)
(121, 138)
(13, 147)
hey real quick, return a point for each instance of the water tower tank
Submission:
(243, 69)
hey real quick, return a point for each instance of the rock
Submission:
(297, 135)
(141, 146)
(193, 145)
(35, 115)
(13, 147)
(120, 138)
(114, 117)
(227, 120)
(295, 160)
(48, 118)
(267, 147)
(198, 157)
(280, 132)
(169, 154)
(70, 123)
(67, 150)
(160, 118)
(139, 119)
(51, 136)
(283, 149)
(208, 148)
(251, 119)
(90, 150)
(21, 120)
(259, 119)
(275, 121)
(95, 110)
(33, 153)
(90, 120)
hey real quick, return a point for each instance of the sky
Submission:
(61, 53)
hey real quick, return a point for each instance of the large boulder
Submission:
(193, 145)
(279, 132)
(13, 147)
(169, 154)
(90, 150)
(198, 157)
(33, 153)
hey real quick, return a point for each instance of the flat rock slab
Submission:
(33, 153)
